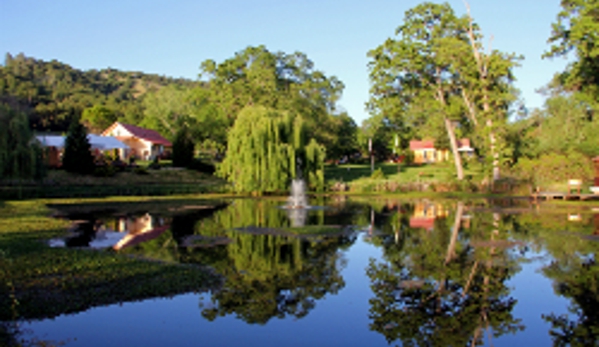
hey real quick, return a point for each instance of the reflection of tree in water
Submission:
(576, 276)
(574, 271)
(436, 289)
(269, 275)
(579, 281)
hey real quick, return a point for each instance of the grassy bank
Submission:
(61, 184)
(37, 281)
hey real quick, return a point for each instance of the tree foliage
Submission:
(577, 30)
(435, 76)
(20, 157)
(183, 148)
(267, 149)
(77, 157)
(287, 82)
(97, 118)
(56, 93)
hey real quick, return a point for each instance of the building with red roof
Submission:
(425, 151)
(143, 143)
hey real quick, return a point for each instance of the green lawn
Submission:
(430, 173)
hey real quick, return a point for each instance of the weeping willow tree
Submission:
(19, 157)
(268, 148)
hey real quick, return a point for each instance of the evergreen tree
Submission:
(77, 155)
(183, 148)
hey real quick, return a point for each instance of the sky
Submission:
(172, 37)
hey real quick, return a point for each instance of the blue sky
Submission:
(172, 38)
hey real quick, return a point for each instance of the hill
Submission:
(52, 92)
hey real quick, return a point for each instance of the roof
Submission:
(463, 145)
(145, 134)
(421, 222)
(416, 145)
(95, 141)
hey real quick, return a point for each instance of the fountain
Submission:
(297, 203)
(298, 199)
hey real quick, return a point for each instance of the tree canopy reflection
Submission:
(575, 274)
(269, 275)
(444, 286)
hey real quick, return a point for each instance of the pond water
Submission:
(373, 272)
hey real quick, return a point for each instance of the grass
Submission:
(359, 178)
(61, 184)
(37, 281)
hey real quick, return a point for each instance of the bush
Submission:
(555, 167)
(140, 170)
(105, 171)
(201, 166)
(378, 174)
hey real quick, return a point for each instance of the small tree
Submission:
(183, 148)
(77, 157)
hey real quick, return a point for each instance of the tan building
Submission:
(143, 143)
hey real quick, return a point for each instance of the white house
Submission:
(143, 143)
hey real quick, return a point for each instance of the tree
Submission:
(487, 90)
(267, 149)
(183, 148)
(414, 73)
(19, 158)
(77, 157)
(98, 117)
(276, 80)
(577, 30)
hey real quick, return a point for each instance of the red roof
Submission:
(147, 134)
(415, 145)
(421, 222)
(430, 144)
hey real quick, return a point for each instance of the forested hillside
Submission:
(52, 92)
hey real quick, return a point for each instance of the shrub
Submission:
(140, 170)
(201, 166)
(378, 174)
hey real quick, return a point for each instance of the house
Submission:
(143, 143)
(425, 214)
(425, 151)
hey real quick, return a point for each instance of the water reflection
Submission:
(437, 288)
(441, 273)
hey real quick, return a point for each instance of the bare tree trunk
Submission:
(454, 233)
(454, 149)
(482, 63)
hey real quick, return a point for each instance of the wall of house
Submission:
(139, 148)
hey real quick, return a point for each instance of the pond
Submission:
(353, 272)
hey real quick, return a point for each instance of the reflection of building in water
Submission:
(425, 213)
(135, 225)
(139, 229)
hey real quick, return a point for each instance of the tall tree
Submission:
(276, 80)
(487, 90)
(413, 73)
(577, 30)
